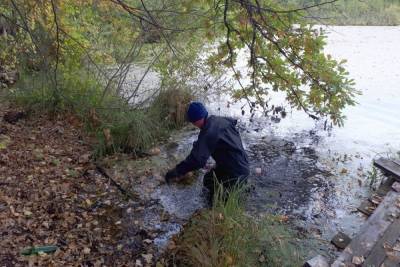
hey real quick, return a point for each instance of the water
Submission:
(327, 193)
(316, 177)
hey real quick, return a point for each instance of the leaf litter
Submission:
(52, 199)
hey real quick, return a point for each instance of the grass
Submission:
(117, 126)
(227, 236)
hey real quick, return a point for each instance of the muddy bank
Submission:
(292, 182)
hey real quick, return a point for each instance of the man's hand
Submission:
(171, 174)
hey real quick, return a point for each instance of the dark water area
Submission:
(288, 175)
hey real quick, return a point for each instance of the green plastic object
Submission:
(39, 249)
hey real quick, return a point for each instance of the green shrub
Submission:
(118, 126)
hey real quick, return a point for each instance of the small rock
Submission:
(357, 260)
(258, 171)
(154, 151)
(138, 263)
(341, 240)
(317, 261)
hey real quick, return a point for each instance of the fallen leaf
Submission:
(148, 257)
(4, 141)
(86, 250)
(27, 213)
(358, 260)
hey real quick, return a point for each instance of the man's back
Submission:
(229, 153)
(220, 139)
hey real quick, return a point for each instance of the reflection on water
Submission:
(372, 127)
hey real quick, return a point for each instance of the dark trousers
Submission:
(223, 178)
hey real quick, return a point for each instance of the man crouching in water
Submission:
(220, 139)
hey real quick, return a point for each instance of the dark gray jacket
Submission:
(220, 139)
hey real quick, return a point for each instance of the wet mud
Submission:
(289, 177)
(291, 182)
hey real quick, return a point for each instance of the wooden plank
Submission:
(366, 207)
(392, 261)
(389, 238)
(389, 166)
(385, 186)
(397, 161)
(372, 230)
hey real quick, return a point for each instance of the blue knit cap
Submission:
(196, 111)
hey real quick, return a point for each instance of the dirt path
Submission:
(51, 194)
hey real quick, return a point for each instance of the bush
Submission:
(118, 126)
(227, 236)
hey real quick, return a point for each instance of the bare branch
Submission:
(57, 45)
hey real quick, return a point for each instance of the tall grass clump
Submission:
(227, 236)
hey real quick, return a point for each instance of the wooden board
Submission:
(389, 166)
(389, 238)
(386, 186)
(372, 230)
(391, 262)
(366, 207)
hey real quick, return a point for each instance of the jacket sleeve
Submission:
(199, 155)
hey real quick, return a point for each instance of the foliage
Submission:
(52, 188)
(226, 236)
(77, 55)
(118, 126)
(284, 54)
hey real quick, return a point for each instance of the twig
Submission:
(144, 75)
(57, 48)
(126, 193)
